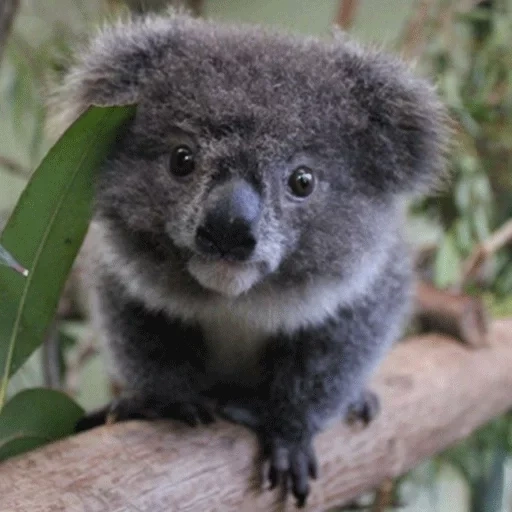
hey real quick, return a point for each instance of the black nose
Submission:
(229, 226)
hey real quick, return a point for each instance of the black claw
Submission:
(366, 409)
(127, 408)
(191, 414)
(92, 420)
(313, 468)
(206, 416)
(191, 421)
(301, 490)
(301, 500)
(273, 477)
(188, 413)
(299, 474)
(291, 463)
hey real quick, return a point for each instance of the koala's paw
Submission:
(132, 407)
(191, 413)
(366, 409)
(291, 462)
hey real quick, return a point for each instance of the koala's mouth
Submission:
(225, 276)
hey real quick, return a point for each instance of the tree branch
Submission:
(414, 34)
(433, 392)
(347, 13)
(500, 238)
(455, 314)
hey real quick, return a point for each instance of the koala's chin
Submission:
(230, 279)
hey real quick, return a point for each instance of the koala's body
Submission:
(248, 257)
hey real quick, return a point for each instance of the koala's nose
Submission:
(230, 221)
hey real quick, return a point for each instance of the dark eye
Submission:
(302, 181)
(182, 161)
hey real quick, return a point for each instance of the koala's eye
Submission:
(182, 161)
(302, 181)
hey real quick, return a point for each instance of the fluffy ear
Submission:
(406, 133)
(109, 70)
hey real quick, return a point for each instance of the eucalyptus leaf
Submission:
(18, 445)
(481, 222)
(46, 231)
(34, 417)
(447, 263)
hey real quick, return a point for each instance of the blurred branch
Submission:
(8, 10)
(433, 392)
(455, 314)
(347, 13)
(414, 34)
(14, 167)
(483, 251)
(384, 497)
(85, 351)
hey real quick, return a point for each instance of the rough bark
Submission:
(434, 391)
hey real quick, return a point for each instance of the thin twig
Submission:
(414, 33)
(384, 497)
(347, 13)
(497, 240)
(85, 351)
(461, 316)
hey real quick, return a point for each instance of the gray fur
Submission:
(289, 336)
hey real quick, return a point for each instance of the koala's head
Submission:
(255, 156)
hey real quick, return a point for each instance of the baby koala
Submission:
(247, 247)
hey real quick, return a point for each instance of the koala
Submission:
(248, 256)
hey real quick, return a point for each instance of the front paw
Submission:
(291, 461)
(191, 413)
(365, 409)
(131, 407)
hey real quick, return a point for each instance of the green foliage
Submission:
(34, 417)
(471, 57)
(46, 231)
(39, 49)
(472, 61)
(481, 459)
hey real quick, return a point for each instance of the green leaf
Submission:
(34, 417)
(17, 446)
(46, 231)
(447, 263)
(487, 491)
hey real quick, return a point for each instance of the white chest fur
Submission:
(237, 328)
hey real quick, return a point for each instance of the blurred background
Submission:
(462, 236)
